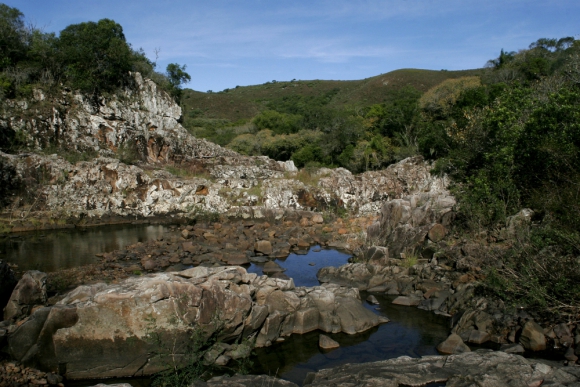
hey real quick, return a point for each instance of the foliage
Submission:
(439, 100)
(95, 56)
(541, 272)
(279, 123)
(176, 76)
(12, 32)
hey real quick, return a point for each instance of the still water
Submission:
(63, 249)
(411, 332)
(303, 268)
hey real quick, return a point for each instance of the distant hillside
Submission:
(245, 102)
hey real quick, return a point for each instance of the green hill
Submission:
(245, 102)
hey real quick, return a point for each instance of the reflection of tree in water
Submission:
(62, 249)
(411, 332)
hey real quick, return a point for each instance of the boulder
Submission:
(122, 329)
(263, 246)
(437, 233)
(479, 337)
(7, 284)
(326, 342)
(28, 293)
(532, 337)
(453, 345)
(271, 267)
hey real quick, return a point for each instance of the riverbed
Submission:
(411, 332)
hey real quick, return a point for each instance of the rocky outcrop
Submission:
(408, 225)
(141, 120)
(28, 293)
(7, 283)
(237, 186)
(124, 330)
(480, 368)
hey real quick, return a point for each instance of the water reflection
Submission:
(303, 268)
(62, 249)
(411, 332)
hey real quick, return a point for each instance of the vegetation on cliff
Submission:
(93, 57)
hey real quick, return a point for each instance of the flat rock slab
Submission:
(243, 381)
(406, 301)
(479, 368)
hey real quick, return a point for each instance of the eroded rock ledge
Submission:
(124, 329)
(480, 368)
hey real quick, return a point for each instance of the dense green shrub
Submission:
(95, 56)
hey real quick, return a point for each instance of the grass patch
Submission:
(410, 259)
(189, 172)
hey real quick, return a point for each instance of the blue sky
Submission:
(229, 43)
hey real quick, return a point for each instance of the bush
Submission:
(439, 100)
(279, 123)
(95, 56)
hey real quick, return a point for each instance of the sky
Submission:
(226, 43)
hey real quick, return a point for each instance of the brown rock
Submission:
(188, 246)
(318, 219)
(30, 291)
(406, 301)
(236, 259)
(479, 337)
(342, 231)
(185, 234)
(272, 267)
(453, 345)
(326, 342)
(437, 233)
(202, 190)
(149, 264)
(304, 222)
(532, 337)
(264, 247)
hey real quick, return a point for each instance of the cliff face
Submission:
(174, 172)
(140, 119)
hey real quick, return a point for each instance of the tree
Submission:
(13, 36)
(96, 56)
(177, 75)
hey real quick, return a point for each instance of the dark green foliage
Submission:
(308, 155)
(95, 56)
(279, 123)
(176, 77)
(514, 145)
(13, 36)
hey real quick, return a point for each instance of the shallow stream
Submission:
(411, 332)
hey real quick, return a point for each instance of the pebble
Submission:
(13, 374)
